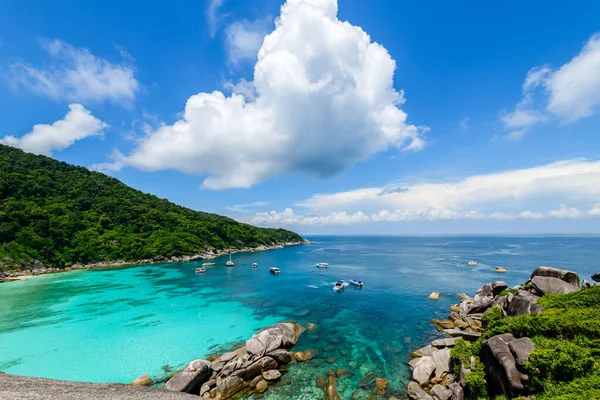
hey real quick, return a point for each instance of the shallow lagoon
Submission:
(115, 324)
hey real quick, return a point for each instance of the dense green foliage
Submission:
(62, 214)
(565, 364)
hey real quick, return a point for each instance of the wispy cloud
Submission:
(75, 74)
(568, 94)
(243, 208)
(464, 123)
(532, 193)
(213, 16)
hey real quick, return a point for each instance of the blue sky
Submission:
(350, 117)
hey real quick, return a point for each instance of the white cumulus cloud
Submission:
(567, 94)
(532, 193)
(75, 74)
(78, 124)
(323, 100)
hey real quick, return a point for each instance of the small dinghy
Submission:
(200, 270)
(322, 265)
(254, 265)
(274, 270)
(339, 286)
(357, 283)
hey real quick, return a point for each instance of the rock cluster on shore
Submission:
(36, 267)
(502, 355)
(250, 369)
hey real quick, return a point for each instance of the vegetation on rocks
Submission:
(565, 363)
(61, 214)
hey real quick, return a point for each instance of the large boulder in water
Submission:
(549, 285)
(191, 377)
(566, 276)
(271, 338)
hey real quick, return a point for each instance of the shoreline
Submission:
(208, 255)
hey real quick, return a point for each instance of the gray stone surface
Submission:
(441, 359)
(13, 387)
(521, 349)
(500, 365)
(424, 370)
(415, 392)
(439, 392)
(191, 377)
(550, 285)
(566, 276)
(467, 335)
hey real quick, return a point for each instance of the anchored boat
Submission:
(274, 270)
(254, 265)
(357, 283)
(230, 263)
(322, 265)
(200, 270)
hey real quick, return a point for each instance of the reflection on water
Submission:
(113, 325)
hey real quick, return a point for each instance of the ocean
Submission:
(111, 325)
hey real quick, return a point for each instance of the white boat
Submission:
(254, 265)
(274, 270)
(200, 270)
(339, 286)
(230, 263)
(322, 265)
(356, 282)
(208, 264)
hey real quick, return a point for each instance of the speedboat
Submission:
(208, 264)
(274, 270)
(230, 263)
(200, 270)
(339, 286)
(254, 265)
(356, 282)
(322, 265)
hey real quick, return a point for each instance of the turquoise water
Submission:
(115, 324)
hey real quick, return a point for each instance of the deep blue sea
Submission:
(114, 324)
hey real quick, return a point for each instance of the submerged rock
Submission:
(262, 386)
(282, 356)
(331, 392)
(380, 385)
(304, 355)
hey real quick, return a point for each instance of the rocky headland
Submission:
(492, 335)
(36, 267)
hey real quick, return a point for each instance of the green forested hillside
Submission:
(61, 214)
